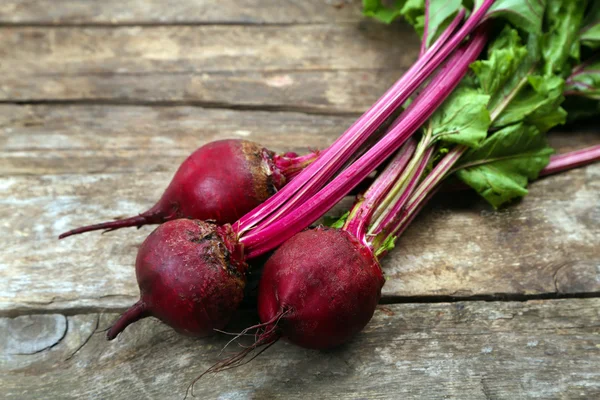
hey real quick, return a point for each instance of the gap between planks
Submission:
(388, 300)
(150, 24)
(184, 103)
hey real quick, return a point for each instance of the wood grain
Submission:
(84, 139)
(474, 350)
(547, 243)
(61, 167)
(340, 68)
(116, 12)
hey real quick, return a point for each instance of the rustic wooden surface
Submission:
(100, 101)
(472, 350)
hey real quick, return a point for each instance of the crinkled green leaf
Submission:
(384, 11)
(414, 13)
(505, 73)
(590, 34)
(518, 79)
(441, 14)
(388, 245)
(537, 103)
(500, 168)
(463, 118)
(562, 24)
(524, 14)
(505, 55)
(335, 222)
(586, 81)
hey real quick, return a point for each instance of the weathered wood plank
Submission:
(327, 68)
(546, 244)
(37, 140)
(473, 350)
(114, 12)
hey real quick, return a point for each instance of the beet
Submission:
(320, 287)
(191, 276)
(221, 181)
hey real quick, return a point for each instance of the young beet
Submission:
(221, 181)
(320, 287)
(191, 276)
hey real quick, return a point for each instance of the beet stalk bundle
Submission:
(294, 207)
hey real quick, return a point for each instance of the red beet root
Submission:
(320, 287)
(191, 276)
(221, 181)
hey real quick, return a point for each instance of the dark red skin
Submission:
(325, 283)
(191, 276)
(220, 181)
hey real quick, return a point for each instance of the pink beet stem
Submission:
(292, 166)
(133, 314)
(389, 213)
(447, 41)
(311, 179)
(261, 241)
(361, 214)
(574, 159)
(429, 184)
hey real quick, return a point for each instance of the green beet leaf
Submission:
(336, 222)
(590, 33)
(563, 21)
(414, 13)
(505, 55)
(500, 168)
(524, 14)
(537, 103)
(463, 118)
(441, 14)
(585, 81)
(384, 11)
(388, 245)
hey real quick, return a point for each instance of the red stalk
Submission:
(260, 241)
(362, 213)
(574, 159)
(309, 181)
(399, 201)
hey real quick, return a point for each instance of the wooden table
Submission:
(101, 100)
